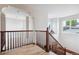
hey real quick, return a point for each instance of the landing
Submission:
(26, 50)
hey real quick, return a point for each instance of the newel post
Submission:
(3, 41)
(47, 40)
(65, 51)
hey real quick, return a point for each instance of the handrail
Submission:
(56, 40)
(12, 34)
(64, 49)
(25, 31)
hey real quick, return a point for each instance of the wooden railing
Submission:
(14, 39)
(55, 39)
(53, 45)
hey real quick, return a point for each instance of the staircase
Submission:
(53, 45)
(56, 47)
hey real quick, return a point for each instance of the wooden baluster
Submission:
(3, 41)
(26, 38)
(13, 40)
(47, 41)
(52, 47)
(56, 48)
(10, 40)
(7, 40)
(20, 38)
(16, 39)
(64, 51)
(23, 38)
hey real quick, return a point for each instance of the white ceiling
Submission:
(62, 10)
(55, 10)
(52, 10)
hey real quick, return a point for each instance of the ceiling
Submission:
(52, 10)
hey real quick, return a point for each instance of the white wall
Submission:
(40, 16)
(15, 24)
(69, 40)
(54, 25)
(15, 19)
(31, 23)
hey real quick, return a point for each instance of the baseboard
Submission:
(72, 52)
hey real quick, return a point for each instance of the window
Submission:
(71, 25)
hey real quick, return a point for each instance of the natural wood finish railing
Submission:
(47, 40)
(25, 31)
(57, 43)
(55, 39)
(72, 52)
(63, 50)
(14, 38)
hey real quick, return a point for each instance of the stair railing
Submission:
(53, 45)
(18, 38)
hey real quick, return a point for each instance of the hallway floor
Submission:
(26, 50)
(29, 50)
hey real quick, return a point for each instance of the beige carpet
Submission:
(26, 50)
